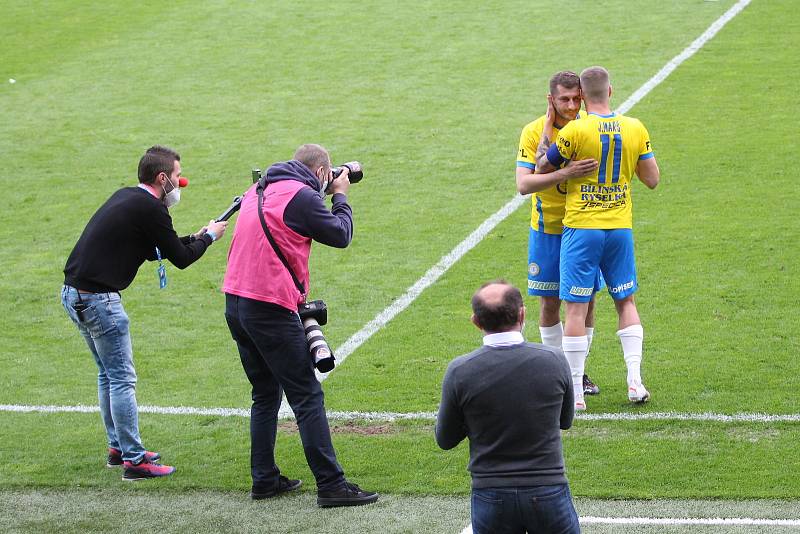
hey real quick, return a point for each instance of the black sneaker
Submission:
(348, 495)
(284, 484)
(589, 387)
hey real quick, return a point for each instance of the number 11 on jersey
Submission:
(606, 144)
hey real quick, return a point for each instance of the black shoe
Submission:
(284, 485)
(348, 495)
(589, 387)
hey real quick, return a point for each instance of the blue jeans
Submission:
(104, 326)
(274, 352)
(545, 509)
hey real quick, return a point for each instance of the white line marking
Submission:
(422, 416)
(590, 520)
(688, 521)
(688, 52)
(433, 274)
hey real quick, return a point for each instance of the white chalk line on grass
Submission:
(722, 521)
(433, 274)
(422, 416)
(745, 521)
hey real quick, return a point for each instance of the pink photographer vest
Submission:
(254, 270)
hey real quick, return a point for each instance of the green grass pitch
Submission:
(431, 97)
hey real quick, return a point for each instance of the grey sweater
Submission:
(510, 401)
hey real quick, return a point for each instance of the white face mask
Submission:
(324, 184)
(173, 196)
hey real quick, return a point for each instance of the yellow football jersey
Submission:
(602, 200)
(547, 212)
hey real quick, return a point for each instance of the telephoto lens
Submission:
(356, 174)
(321, 353)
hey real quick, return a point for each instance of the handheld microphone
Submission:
(233, 208)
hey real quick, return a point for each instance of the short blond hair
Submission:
(594, 84)
(313, 156)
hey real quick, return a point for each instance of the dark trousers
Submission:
(274, 353)
(545, 509)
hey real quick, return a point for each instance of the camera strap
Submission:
(260, 192)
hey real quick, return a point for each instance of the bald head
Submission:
(497, 307)
(595, 83)
(313, 157)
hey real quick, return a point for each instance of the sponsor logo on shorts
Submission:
(581, 291)
(533, 269)
(622, 287)
(543, 286)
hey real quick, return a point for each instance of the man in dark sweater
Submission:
(511, 399)
(131, 227)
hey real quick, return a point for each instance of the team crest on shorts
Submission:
(533, 269)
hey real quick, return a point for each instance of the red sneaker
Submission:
(145, 469)
(115, 457)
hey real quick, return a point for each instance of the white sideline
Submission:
(433, 274)
(742, 521)
(659, 77)
(421, 416)
(589, 520)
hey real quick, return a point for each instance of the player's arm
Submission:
(646, 167)
(558, 153)
(526, 162)
(538, 181)
(648, 172)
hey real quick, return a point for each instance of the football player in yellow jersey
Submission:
(547, 213)
(598, 223)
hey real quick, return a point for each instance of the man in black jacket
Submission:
(510, 398)
(131, 227)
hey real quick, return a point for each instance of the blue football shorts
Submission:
(585, 252)
(544, 251)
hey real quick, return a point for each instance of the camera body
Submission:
(313, 315)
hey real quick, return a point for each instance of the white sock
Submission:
(551, 335)
(575, 350)
(632, 338)
(589, 336)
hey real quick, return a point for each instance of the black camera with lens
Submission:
(313, 315)
(356, 174)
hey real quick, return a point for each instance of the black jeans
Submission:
(274, 353)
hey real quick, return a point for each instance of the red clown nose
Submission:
(183, 182)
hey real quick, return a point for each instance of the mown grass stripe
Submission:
(421, 416)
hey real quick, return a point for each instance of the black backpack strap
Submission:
(260, 191)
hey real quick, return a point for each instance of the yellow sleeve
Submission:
(645, 148)
(528, 143)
